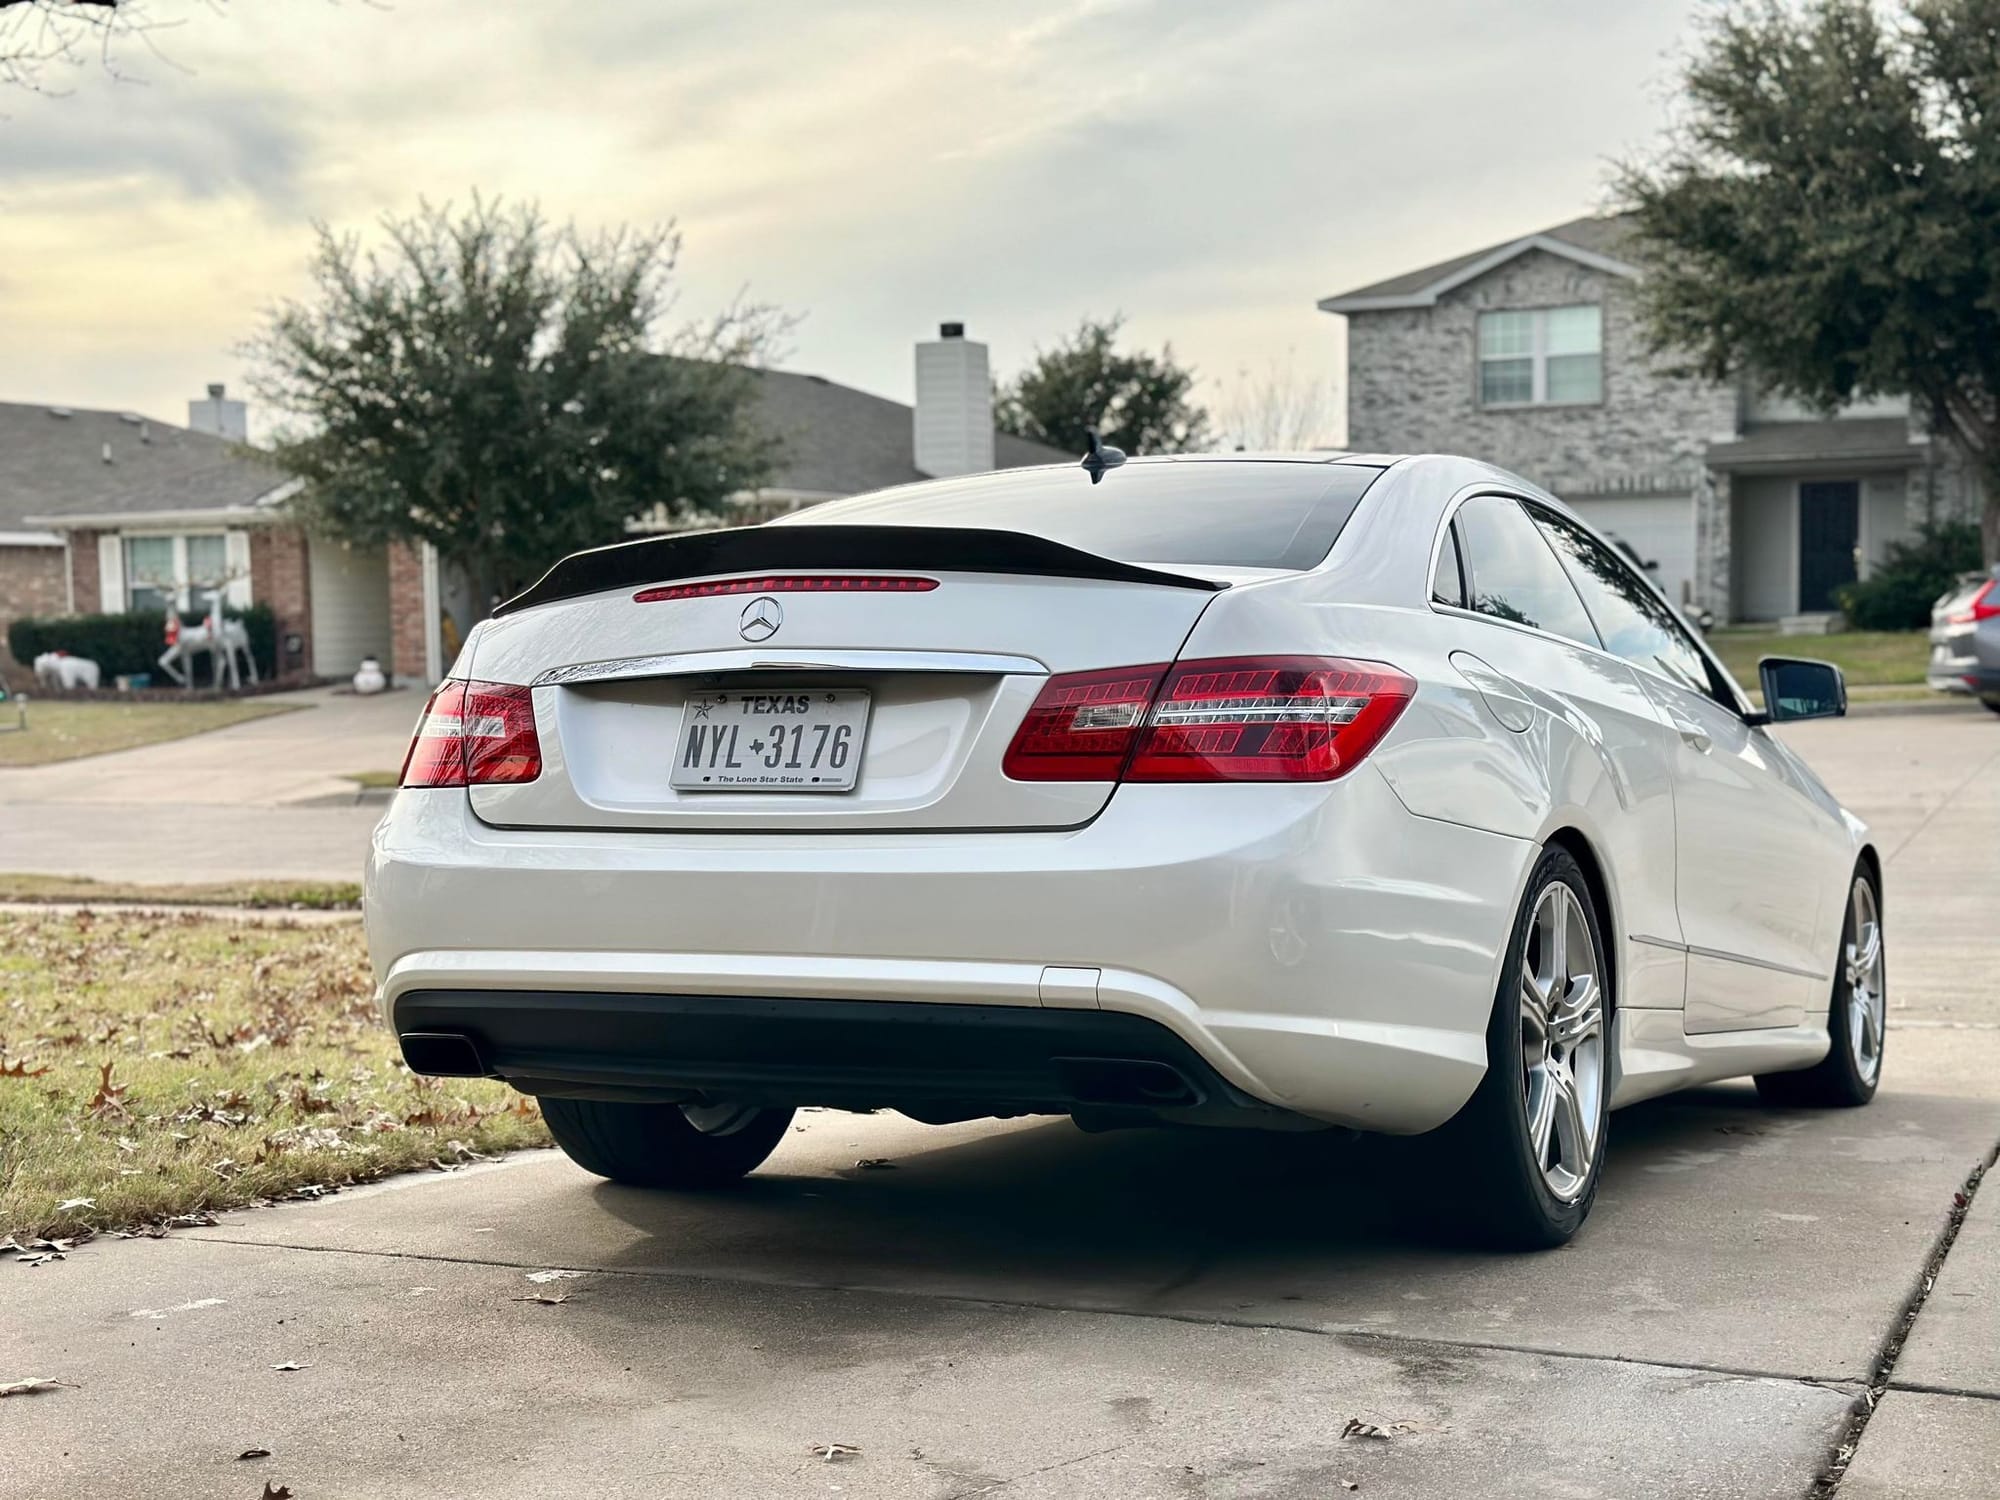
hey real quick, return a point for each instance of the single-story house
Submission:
(1529, 354)
(118, 512)
(111, 511)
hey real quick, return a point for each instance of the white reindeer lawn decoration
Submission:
(214, 634)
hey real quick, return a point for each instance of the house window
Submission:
(1544, 356)
(181, 571)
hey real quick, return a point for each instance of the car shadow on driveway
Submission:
(1714, 1211)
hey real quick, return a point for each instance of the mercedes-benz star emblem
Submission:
(761, 618)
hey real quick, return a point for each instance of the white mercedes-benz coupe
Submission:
(1353, 791)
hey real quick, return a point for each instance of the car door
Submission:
(1595, 739)
(1751, 832)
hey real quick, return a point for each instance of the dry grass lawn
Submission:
(67, 731)
(1869, 658)
(155, 1066)
(313, 895)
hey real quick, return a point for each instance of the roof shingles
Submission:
(54, 466)
(1596, 235)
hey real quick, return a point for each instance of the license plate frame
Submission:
(713, 748)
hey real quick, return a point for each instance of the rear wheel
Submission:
(665, 1145)
(1528, 1147)
(1856, 1021)
(1992, 703)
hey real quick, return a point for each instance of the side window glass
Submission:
(1635, 622)
(1511, 574)
(1447, 583)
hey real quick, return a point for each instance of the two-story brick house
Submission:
(1529, 354)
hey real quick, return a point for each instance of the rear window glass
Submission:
(1251, 514)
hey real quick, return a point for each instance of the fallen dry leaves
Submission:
(34, 1386)
(1357, 1428)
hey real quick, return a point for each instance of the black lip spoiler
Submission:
(759, 549)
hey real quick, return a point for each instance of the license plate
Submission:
(774, 740)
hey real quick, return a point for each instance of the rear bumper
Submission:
(1969, 677)
(1318, 949)
(945, 1061)
(1965, 659)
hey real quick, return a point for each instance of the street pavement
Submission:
(267, 799)
(1022, 1310)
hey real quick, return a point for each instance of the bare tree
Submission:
(1282, 410)
(38, 36)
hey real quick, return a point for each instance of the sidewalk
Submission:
(263, 800)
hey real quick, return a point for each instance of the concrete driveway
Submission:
(267, 799)
(1019, 1309)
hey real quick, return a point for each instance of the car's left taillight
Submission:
(475, 734)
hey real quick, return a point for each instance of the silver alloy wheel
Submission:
(725, 1118)
(1867, 993)
(1562, 1042)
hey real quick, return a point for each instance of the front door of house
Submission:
(1829, 536)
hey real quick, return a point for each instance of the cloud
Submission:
(200, 145)
(1210, 167)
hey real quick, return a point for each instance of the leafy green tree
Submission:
(1826, 218)
(502, 390)
(1137, 401)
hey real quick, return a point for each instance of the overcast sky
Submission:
(1208, 167)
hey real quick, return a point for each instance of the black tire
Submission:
(1992, 703)
(1837, 1081)
(1501, 1195)
(655, 1145)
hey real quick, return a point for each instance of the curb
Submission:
(1942, 704)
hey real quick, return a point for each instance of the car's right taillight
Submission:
(1268, 718)
(475, 734)
(1265, 718)
(1983, 605)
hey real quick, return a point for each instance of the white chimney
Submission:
(954, 418)
(219, 417)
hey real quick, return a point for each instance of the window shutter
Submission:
(111, 573)
(238, 560)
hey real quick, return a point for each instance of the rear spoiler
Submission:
(763, 549)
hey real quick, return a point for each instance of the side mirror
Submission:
(1798, 689)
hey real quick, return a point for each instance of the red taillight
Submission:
(1983, 605)
(814, 583)
(1082, 725)
(1266, 718)
(475, 734)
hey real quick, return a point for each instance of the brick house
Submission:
(1529, 354)
(114, 512)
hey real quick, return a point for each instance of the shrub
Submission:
(127, 643)
(1899, 593)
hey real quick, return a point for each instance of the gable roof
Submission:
(52, 465)
(1598, 242)
(840, 441)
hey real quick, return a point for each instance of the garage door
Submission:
(350, 606)
(1659, 528)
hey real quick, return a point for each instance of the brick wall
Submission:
(1413, 387)
(84, 577)
(33, 581)
(281, 579)
(406, 613)
(1413, 384)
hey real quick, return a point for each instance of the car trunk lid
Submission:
(949, 639)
